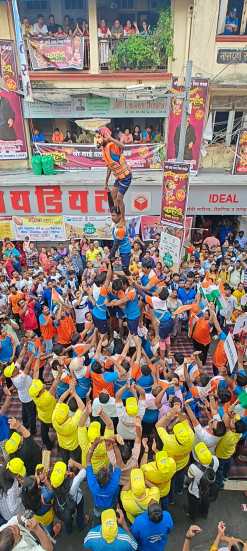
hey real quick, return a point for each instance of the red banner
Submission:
(76, 157)
(195, 126)
(175, 194)
(150, 226)
(12, 134)
(62, 53)
(240, 162)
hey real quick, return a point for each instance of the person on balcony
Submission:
(145, 29)
(52, 25)
(117, 30)
(137, 135)
(104, 34)
(57, 136)
(39, 28)
(26, 27)
(38, 137)
(232, 22)
(67, 24)
(130, 28)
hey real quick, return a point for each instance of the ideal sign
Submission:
(223, 198)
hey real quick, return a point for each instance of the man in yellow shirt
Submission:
(66, 425)
(178, 444)
(137, 499)
(226, 447)
(159, 473)
(93, 252)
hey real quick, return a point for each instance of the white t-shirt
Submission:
(27, 542)
(22, 383)
(195, 473)
(126, 424)
(40, 30)
(202, 435)
(81, 310)
(109, 408)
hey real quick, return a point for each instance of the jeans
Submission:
(197, 507)
(223, 471)
(29, 416)
(177, 483)
(79, 518)
(48, 346)
(45, 435)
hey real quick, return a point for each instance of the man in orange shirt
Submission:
(57, 136)
(14, 298)
(47, 328)
(65, 327)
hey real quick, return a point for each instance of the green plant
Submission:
(142, 52)
(136, 52)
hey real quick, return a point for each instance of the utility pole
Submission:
(185, 111)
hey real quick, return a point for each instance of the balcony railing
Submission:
(108, 48)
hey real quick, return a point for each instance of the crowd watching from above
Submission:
(69, 26)
(118, 396)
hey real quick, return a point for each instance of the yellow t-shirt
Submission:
(92, 255)
(238, 295)
(45, 404)
(161, 480)
(134, 505)
(227, 445)
(67, 433)
(99, 457)
(179, 452)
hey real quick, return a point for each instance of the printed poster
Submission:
(12, 133)
(174, 194)
(240, 161)
(97, 227)
(170, 247)
(231, 352)
(195, 125)
(60, 53)
(6, 228)
(150, 226)
(39, 228)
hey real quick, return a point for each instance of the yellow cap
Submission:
(137, 482)
(9, 370)
(13, 443)
(166, 465)
(132, 406)
(35, 388)
(60, 413)
(58, 474)
(203, 453)
(93, 431)
(17, 467)
(183, 433)
(39, 467)
(109, 525)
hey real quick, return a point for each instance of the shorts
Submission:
(125, 260)
(164, 343)
(133, 325)
(123, 185)
(101, 325)
(165, 328)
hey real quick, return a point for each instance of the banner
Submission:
(26, 85)
(60, 53)
(195, 126)
(174, 194)
(12, 133)
(39, 228)
(6, 228)
(150, 226)
(240, 161)
(231, 352)
(97, 227)
(240, 324)
(78, 157)
(170, 247)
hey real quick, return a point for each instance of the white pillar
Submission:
(93, 36)
(229, 129)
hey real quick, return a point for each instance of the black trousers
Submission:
(198, 507)
(29, 416)
(203, 348)
(67, 454)
(45, 435)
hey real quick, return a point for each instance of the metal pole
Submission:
(185, 111)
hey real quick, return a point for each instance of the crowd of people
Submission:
(125, 135)
(91, 354)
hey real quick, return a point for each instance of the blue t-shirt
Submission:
(104, 497)
(151, 536)
(187, 296)
(6, 349)
(123, 541)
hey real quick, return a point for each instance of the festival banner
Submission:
(240, 160)
(150, 226)
(174, 194)
(231, 352)
(12, 133)
(170, 248)
(39, 228)
(196, 121)
(21, 51)
(77, 157)
(6, 228)
(60, 53)
(97, 227)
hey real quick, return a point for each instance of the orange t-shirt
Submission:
(100, 384)
(201, 332)
(14, 299)
(65, 330)
(48, 330)
(219, 355)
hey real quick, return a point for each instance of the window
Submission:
(220, 120)
(126, 4)
(38, 5)
(232, 17)
(75, 4)
(226, 126)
